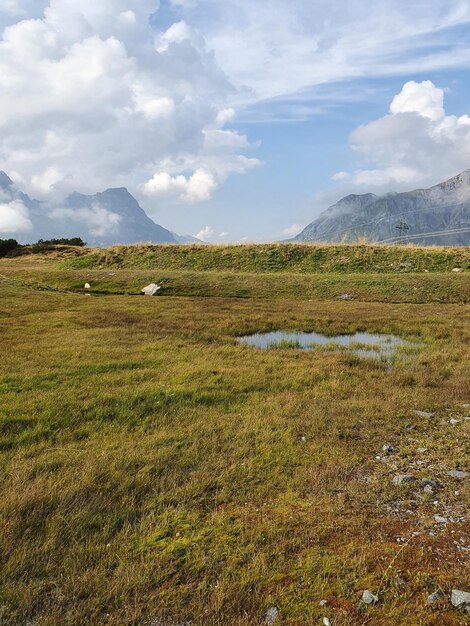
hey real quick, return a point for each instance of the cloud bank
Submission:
(92, 96)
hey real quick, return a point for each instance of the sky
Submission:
(233, 120)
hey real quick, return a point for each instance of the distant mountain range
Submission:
(103, 219)
(436, 216)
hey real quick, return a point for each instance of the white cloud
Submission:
(14, 218)
(99, 220)
(195, 188)
(292, 230)
(205, 233)
(91, 97)
(417, 143)
(423, 98)
(295, 46)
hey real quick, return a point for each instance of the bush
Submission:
(7, 246)
(73, 241)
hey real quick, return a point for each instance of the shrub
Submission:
(7, 246)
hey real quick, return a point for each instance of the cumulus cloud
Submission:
(205, 233)
(199, 186)
(417, 143)
(93, 96)
(98, 220)
(14, 218)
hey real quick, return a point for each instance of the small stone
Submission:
(454, 422)
(458, 474)
(151, 290)
(400, 479)
(87, 286)
(460, 599)
(323, 602)
(436, 596)
(421, 450)
(428, 482)
(409, 427)
(271, 616)
(303, 438)
(440, 520)
(428, 489)
(326, 622)
(369, 598)
(457, 269)
(388, 448)
(423, 414)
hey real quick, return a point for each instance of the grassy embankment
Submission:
(154, 471)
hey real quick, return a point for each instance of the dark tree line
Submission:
(8, 246)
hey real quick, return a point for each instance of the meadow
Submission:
(155, 472)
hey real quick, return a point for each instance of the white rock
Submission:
(87, 286)
(151, 290)
(326, 622)
(423, 414)
(271, 616)
(454, 422)
(457, 269)
(369, 598)
(421, 450)
(440, 520)
(460, 599)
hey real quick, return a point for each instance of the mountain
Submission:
(436, 216)
(113, 216)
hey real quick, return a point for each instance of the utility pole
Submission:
(403, 229)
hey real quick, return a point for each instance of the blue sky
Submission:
(235, 120)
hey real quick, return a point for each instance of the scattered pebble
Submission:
(326, 622)
(454, 422)
(87, 286)
(421, 450)
(388, 448)
(271, 616)
(323, 602)
(428, 489)
(457, 269)
(459, 474)
(369, 598)
(436, 596)
(400, 479)
(440, 520)
(460, 599)
(423, 414)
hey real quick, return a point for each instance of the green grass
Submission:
(154, 470)
(299, 258)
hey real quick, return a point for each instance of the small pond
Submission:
(365, 345)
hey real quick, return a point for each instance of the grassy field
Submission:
(155, 472)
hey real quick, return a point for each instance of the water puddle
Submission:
(364, 345)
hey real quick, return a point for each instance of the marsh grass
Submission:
(153, 469)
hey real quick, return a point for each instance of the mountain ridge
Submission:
(105, 218)
(438, 215)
